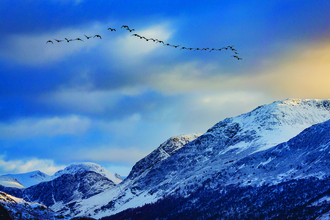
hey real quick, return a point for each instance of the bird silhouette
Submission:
(58, 40)
(88, 37)
(79, 39)
(68, 40)
(160, 41)
(49, 41)
(183, 48)
(130, 30)
(205, 48)
(124, 26)
(238, 58)
(112, 29)
(98, 36)
(175, 46)
(212, 49)
(167, 44)
(197, 49)
(136, 35)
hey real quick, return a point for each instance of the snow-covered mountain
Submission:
(62, 193)
(164, 151)
(88, 166)
(16, 208)
(24, 180)
(288, 181)
(213, 155)
(8, 181)
(65, 188)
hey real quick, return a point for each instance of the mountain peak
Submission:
(164, 151)
(89, 166)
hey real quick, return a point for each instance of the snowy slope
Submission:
(24, 179)
(62, 193)
(88, 166)
(9, 181)
(20, 209)
(164, 151)
(227, 142)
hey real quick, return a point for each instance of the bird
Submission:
(124, 26)
(197, 49)
(160, 41)
(212, 49)
(167, 44)
(130, 30)
(231, 47)
(112, 29)
(218, 49)
(58, 40)
(238, 58)
(88, 37)
(225, 48)
(79, 39)
(98, 36)
(175, 46)
(183, 48)
(235, 52)
(136, 35)
(49, 41)
(205, 48)
(68, 40)
(190, 48)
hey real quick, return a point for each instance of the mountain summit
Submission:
(88, 166)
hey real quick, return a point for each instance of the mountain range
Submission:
(270, 163)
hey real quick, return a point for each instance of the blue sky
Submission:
(113, 100)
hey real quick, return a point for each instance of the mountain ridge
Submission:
(226, 142)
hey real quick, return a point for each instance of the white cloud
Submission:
(33, 49)
(82, 100)
(129, 50)
(107, 153)
(190, 77)
(54, 126)
(121, 128)
(24, 166)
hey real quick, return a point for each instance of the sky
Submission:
(113, 100)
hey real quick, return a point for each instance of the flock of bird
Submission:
(156, 41)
